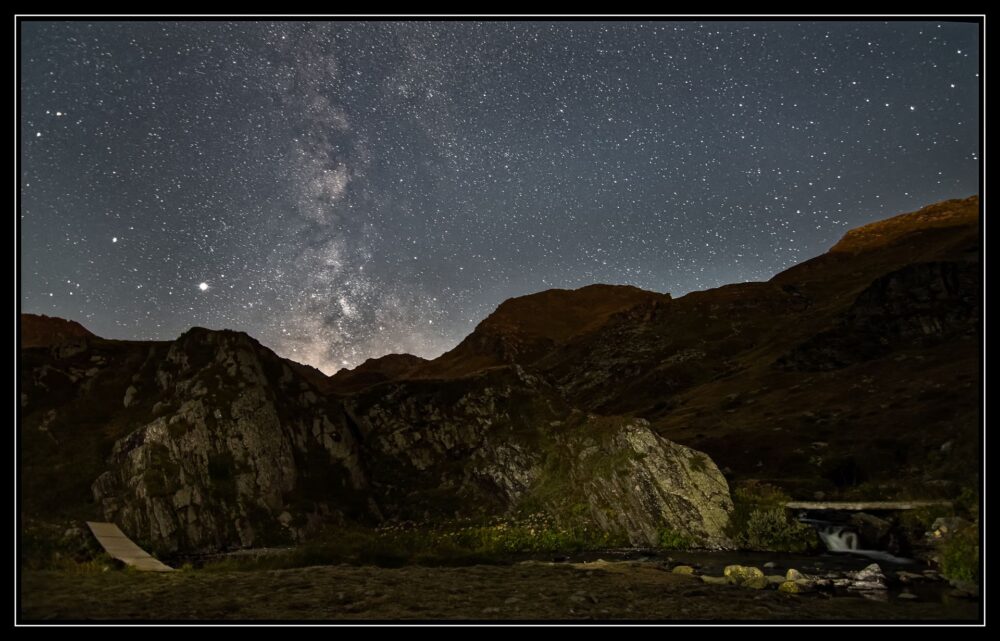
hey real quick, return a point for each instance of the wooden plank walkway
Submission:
(122, 548)
(860, 506)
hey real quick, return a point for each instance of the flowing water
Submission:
(840, 539)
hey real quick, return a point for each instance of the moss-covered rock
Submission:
(746, 576)
(790, 587)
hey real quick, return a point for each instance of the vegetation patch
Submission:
(759, 521)
(456, 543)
(673, 540)
(959, 555)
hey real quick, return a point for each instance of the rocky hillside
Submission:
(39, 330)
(852, 374)
(213, 442)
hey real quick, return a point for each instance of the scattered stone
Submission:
(969, 587)
(869, 579)
(715, 580)
(129, 395)
(769, 565)
(908, 596)
(961, 594)
(793, 575)
(731, 400)
(683, 569)
(873, 530)
(790, 587)
(910, 577)
(746, 576)
(945, 526)
(775, 579)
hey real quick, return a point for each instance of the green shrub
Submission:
(773, 531)
(959, 554)
(968, 502)
(759, 521)
(672, 540)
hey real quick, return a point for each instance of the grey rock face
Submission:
(238, 450)
(219, 468)
(657, 484)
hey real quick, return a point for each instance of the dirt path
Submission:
(524, 591)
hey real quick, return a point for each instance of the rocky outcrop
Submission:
(920, 304)
(230, 451)
(235, 449)
(505, 439)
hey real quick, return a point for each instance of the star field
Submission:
(343, 190)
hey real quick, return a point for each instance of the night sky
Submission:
(342, 190)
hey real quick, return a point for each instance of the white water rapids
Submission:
(842, 540)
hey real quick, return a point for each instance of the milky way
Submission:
(342, 190)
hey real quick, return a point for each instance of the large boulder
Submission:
(655, 484)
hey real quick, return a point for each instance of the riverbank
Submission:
(532, 590)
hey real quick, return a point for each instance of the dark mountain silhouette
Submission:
(854, 374)
(38, 330)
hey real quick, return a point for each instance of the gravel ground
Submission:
(531, 590)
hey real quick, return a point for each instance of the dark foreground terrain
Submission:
(530, 590)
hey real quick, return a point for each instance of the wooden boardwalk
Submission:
(122, 548)
(861, 506)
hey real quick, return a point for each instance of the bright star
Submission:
(202, 286)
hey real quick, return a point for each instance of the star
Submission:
(372, 165)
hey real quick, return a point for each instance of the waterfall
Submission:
(839, 539)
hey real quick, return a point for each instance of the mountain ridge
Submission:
(826, 378)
